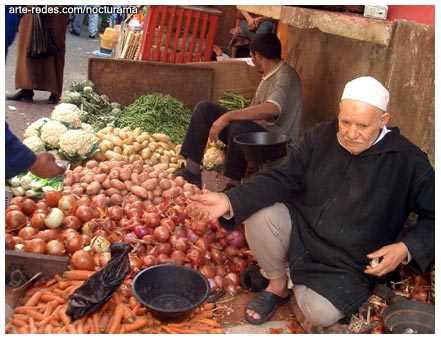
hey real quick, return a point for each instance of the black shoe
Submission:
(92, 36)
(74, 33)
(189, 176)
(53, 99)
(22, 95)
(251, 279)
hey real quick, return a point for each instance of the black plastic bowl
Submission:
(261, 147)
(169, 291)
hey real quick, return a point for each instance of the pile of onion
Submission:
(83, 226)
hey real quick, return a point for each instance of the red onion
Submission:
(172, 239)
(134, 212)
(181, 243)
(213, 286)
(231, 250)
(178, 215)
(236, 238)
(218, 279)
(231, 283)
(164, 248)
(202, 243)
(199, 227)
(130, 237)
(220, 270)
(163, 258)
(115, 213)
(151, 219)
(177, 257)
(168, 223)
(195, 257)
(161, 233)
(192, 236)
(216, 255)
(207, 270)
(237, 264)
(141, 230)
(149, 261)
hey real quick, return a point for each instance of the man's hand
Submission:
(45, 166)
(220, 124)
(389, 258)
(208, 205)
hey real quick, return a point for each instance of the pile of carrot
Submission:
(42, 310)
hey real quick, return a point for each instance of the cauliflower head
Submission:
(214, 156)
(87, 127)
(34, 128)
(76, 145)
(67, 113)
(51, 131)
(34, 143)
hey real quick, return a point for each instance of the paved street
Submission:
(19, 114)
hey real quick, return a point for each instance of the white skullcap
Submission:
(368, 90)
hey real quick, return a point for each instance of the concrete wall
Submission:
(329, 49)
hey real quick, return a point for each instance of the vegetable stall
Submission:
(120, 189)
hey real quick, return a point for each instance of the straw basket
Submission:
(109, 38)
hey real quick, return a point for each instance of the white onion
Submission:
(100, 244)
(54, 218)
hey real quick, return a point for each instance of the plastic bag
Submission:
(99, 288)
(43, 44)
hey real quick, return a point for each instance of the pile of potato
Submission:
(130, 145)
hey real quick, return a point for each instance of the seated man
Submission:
(248, 27)
(252, 24)
(340, 200)
(276, 107)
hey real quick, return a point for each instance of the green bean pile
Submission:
(157, 113)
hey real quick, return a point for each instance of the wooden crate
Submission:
(30, 263)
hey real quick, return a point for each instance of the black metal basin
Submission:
(261, 147)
